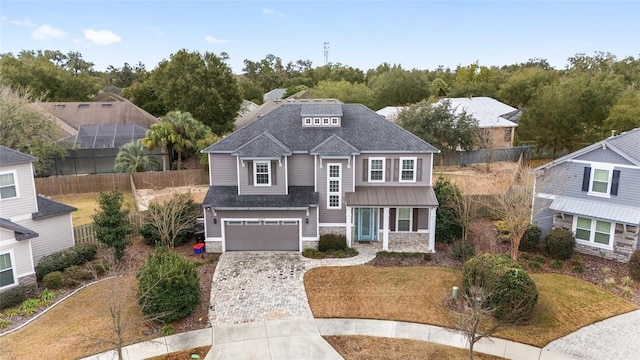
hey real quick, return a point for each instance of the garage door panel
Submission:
(281, 237)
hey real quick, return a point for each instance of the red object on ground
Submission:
(198, 248)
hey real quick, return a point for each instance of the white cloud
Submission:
(214, 40)
(101, 37)
(45, 32)
(25, 22)
(268, 11)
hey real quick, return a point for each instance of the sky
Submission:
(419, 34)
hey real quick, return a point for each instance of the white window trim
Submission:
(334, 121)
(13, 270)
(316, 121)
(15, 183)
(255, 172)
(592, 232)
(415, 163)
(326, 121)
(371, 160)
(410, 220)
(601, 166)
(308, 121)
(339, 192)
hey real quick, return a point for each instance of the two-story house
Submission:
(308, 169)
(594, 192)
(31, 226)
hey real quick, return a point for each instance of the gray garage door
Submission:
(261, 235)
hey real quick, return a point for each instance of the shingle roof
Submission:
(227, 198)
(321, 110)
(489, 112)
(274, 94)
(362, 128)
(48, 208)
(264, 145)
(334, 146)
(10, 156)
(21, 232)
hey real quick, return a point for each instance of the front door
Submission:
(366, 224)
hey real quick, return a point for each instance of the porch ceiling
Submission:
(410, 196)
(623, 214)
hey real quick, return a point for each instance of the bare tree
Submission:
(484, 141)
(172, 219)
(464, 207)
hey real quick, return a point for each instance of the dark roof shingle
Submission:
(10, 156)
(48, 208)
(21, 232)
(226, 197)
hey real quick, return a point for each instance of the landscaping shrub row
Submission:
(61, 260)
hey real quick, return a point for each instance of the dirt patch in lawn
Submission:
(377, 348)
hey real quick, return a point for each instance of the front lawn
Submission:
(87, 205)
(415, 294)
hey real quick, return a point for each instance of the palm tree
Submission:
(160, 136)
(186, 133)
(132, 158)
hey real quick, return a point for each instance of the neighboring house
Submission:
(275, 94)
(31, 226)
(390, 112)
(594, 192)
(493, 118)
(308, 169)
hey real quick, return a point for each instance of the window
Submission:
(334, 184)
(325, 121)
(316, 121)
(601, 180)
(376, 169)
(234, 222)
(403, 219)
(252, 222)
(408, 170)
(596, 232)
(8, 188)
(262, 172)
(507, 135)
(271, 222)
(6, 270)
(334, 121)
(307, 121)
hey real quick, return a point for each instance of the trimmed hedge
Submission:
(16, 295)
(511, 293)
(332, 242)
(61, 260)
(559, 244)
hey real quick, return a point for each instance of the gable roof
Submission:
(21, 232)
(263, 145)
(625, 144)
(362, 128)
(489, 112)
(48, 208)
(10, 156)
(334, 145)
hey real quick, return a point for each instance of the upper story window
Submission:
(601, 180)
(334, 186)
(376, 169)
(307, 121)
(8, 187)
(316, 121)
(334, 121)
(403, 219)
(262, 173)
(407, 169)
(595, 232)
(325, 121)
(507, 134)
(6, 270)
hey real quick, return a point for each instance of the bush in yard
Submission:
(111, 223)
(448, 226)
(509, 292)
(168, 286)
(171, 223)
(463, 250)
(634, 265)
(16, 295)
(54, 280)
(61, 260)
(329, 242)
(531, 239)
(76, 274)
(559, 244)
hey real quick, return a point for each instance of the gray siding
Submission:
(212, 230)
(21, 253)
(424, 176)
(333, 215)
(56, 233)
(300, 168)
(542, 215)
(25, 203)
(310, 229)
(278, 189)
(605, 156)
(223, 170)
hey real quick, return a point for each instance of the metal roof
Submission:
(489, 112)
(622, 214)
(414, 196)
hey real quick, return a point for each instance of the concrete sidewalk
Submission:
(302, 339)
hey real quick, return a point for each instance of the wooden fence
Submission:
(86, 233)
(63, 185)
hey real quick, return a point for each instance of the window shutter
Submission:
(274, 172)
(614, 182)
(392, 219)
(419, 170)
(387, 170)
(250, 171)
(396, 170)
(365, 170)
(415, 219)
(585, 178)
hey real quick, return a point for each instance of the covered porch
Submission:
(392, 216)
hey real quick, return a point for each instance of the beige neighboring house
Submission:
(31, 225)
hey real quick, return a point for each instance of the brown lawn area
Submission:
(87, 205)
(377, 348)
(473, 179)
(415, 294)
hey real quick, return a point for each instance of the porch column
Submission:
(385, 229)
(349, 222)
(432, 229)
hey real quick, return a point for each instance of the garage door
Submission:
(262, 235)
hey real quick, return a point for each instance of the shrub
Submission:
(30, 306)
(47, 297)
(60, 260)
(313, 253)
(578, 269)
(557, 264)
(531, 239)
(4, 323)
(168, 286)
(16, 295)
(463, 250)
(99, 266)
(510, 292)
(54, 280)
(634, 265)
(76, 274)
(559, 244)
(167, 330)
(534, 265)
(448, 226)
(330, 242)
